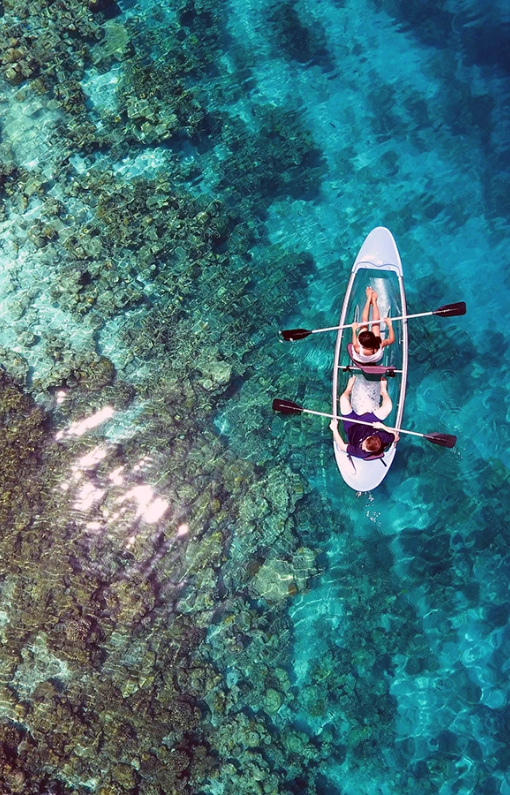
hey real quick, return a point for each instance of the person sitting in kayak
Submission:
(368, 347)
(364, 441)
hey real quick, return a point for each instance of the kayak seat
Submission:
(369, 369)
(370, 458)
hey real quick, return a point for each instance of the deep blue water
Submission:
(192, 601)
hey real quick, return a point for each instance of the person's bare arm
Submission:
(391, 336)
(355, 343)
(382, 427)
(336, 436)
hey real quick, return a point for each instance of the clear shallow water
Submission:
(191, 599)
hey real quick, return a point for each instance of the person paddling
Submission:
(364, 441)
(368, 347)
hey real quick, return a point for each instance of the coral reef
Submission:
(126, 516)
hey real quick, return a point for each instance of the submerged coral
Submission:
(126, 514)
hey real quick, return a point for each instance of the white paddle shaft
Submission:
(359, 422)
(372, 322)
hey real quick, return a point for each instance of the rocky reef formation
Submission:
(146, 566)
(134, 655)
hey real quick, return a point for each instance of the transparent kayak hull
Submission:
(377, 265)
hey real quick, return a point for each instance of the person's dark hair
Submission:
(374, 445)
(369, 340)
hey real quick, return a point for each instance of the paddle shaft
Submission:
(372, 322)
(359, 422)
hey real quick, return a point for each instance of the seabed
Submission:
(191, 600)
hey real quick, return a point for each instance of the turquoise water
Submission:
(192, 601)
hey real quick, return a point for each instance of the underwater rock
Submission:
(183, 716)
(16, 780)
(22, 432)
(15, 365)
(304, 562)
(283, 679)
(115, 42)
(215, 374)
(272, 702)
(95, 373)
(204, 551)
(125, 775)
(315, 700)
(173, 763)
(278, 579)
(298, 743)
(274, 581)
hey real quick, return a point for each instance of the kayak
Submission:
(378, 266)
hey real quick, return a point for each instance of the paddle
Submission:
(288, 407)
(448, 310)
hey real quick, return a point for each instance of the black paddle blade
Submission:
(442, 439)
(286, 407)
(449, 310)
(293, 334)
